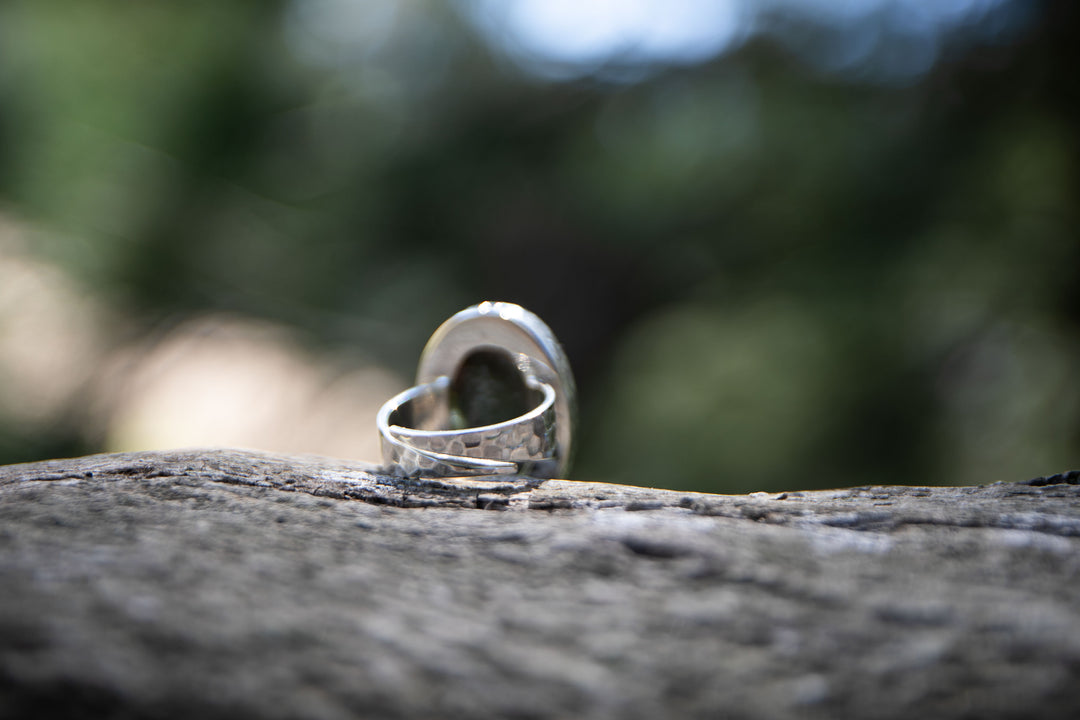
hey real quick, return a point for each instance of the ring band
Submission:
(417, 434)
(521, 446)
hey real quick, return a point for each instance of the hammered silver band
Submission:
(521, 446)
(420, 433)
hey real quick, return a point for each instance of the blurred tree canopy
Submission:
(770, 269)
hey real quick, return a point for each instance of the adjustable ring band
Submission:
(421, 429)
(521, 446)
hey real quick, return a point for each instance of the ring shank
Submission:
(413, 427)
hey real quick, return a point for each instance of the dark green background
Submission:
(767, 275)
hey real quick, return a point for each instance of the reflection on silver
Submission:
(415, 427)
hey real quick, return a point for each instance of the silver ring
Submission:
(494, 354)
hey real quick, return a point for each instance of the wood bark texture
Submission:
(232, 584)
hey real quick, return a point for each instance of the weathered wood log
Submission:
(235, 584)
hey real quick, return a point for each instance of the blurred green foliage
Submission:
(766, 276)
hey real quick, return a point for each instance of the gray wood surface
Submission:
(235, 584)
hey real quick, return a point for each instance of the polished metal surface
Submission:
(416, 428)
